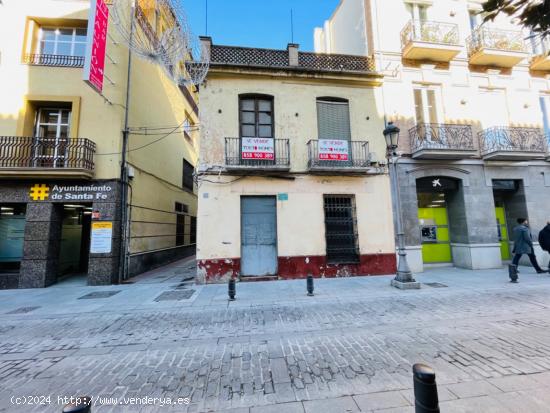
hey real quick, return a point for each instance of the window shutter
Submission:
(333, 120)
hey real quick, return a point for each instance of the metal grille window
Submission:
(341, 229)
(333, 119)
(65, 41)
(181, 209)
(256, 116)
(188, 170)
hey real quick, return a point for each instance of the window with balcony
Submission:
(51, 137)
(333, 118)
(256, 116)
(58, 46)
(426, 105)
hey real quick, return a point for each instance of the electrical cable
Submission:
(143, 146)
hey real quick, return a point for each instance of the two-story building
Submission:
(472, 101)
(291, 172)
(61, 146)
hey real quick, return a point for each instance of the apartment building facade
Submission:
(472, 101)
(291, 176)
(61, 146)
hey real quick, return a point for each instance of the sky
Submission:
(259, 23)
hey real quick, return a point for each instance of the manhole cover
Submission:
(98, 294)
(175, 295)
(23, 310)
(436, 285)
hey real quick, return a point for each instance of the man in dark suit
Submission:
(544, 239)
(523, 244)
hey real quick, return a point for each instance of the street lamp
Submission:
(404, 278)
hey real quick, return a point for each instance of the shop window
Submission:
(12, 232)
(256, 116)
(341, 229)
(333, 118)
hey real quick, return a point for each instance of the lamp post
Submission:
(404, 278)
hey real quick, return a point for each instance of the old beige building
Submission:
(472, 101)
(291, 177)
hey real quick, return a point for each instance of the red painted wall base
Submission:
(221, 270)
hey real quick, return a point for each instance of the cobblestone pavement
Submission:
(348, 348)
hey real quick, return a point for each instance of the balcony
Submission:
(257, 154)
(338, 156)
(53, 60)
(29, 157)
(502, 48)
(427, 40)
(512, 144)
(442, 141)
(541, 55)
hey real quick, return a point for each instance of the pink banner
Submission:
(257, 148)
(94, 65)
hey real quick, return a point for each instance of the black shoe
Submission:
(540, 271)
(514, 281)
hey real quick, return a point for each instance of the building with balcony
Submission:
(472, 102)
(291, 170)
(60, 153)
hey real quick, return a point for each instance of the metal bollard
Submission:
(231, 289)
(309, 283)
(425, 389)
(81, 404)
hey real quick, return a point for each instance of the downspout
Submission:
(124, 227)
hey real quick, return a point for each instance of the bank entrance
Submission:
(75, 239)
(440, 202)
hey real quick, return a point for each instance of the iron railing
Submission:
(505, 40)
(512, 139)
(32, 152)
(53, 60)
(430, 32)
(441, 136)
(357, 156)
(234, 155)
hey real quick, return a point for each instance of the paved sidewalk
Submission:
(347, 349)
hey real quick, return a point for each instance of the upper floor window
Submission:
(256, 116)
(418, 12)
(333, 118)
(188, 170)
(64, 41)
(53, 123)
(426, 104)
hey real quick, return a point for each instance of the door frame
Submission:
(241, 232)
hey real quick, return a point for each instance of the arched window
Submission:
(256, 116)
(333, 118)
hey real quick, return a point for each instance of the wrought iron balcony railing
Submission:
(32, 152)
(257, 153)
(441, 136)
(430, 32)
(337, 154)
(54, 60)
(504, 40)
(514, 139)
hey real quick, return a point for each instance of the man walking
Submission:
(544, 239)
(523, 244)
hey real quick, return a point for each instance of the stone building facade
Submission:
(472, 101)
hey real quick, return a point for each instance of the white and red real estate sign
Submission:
(94, 63)
(333, 150)
(257, 148)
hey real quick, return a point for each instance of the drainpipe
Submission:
(124, 227)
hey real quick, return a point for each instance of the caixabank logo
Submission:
(39, 192)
